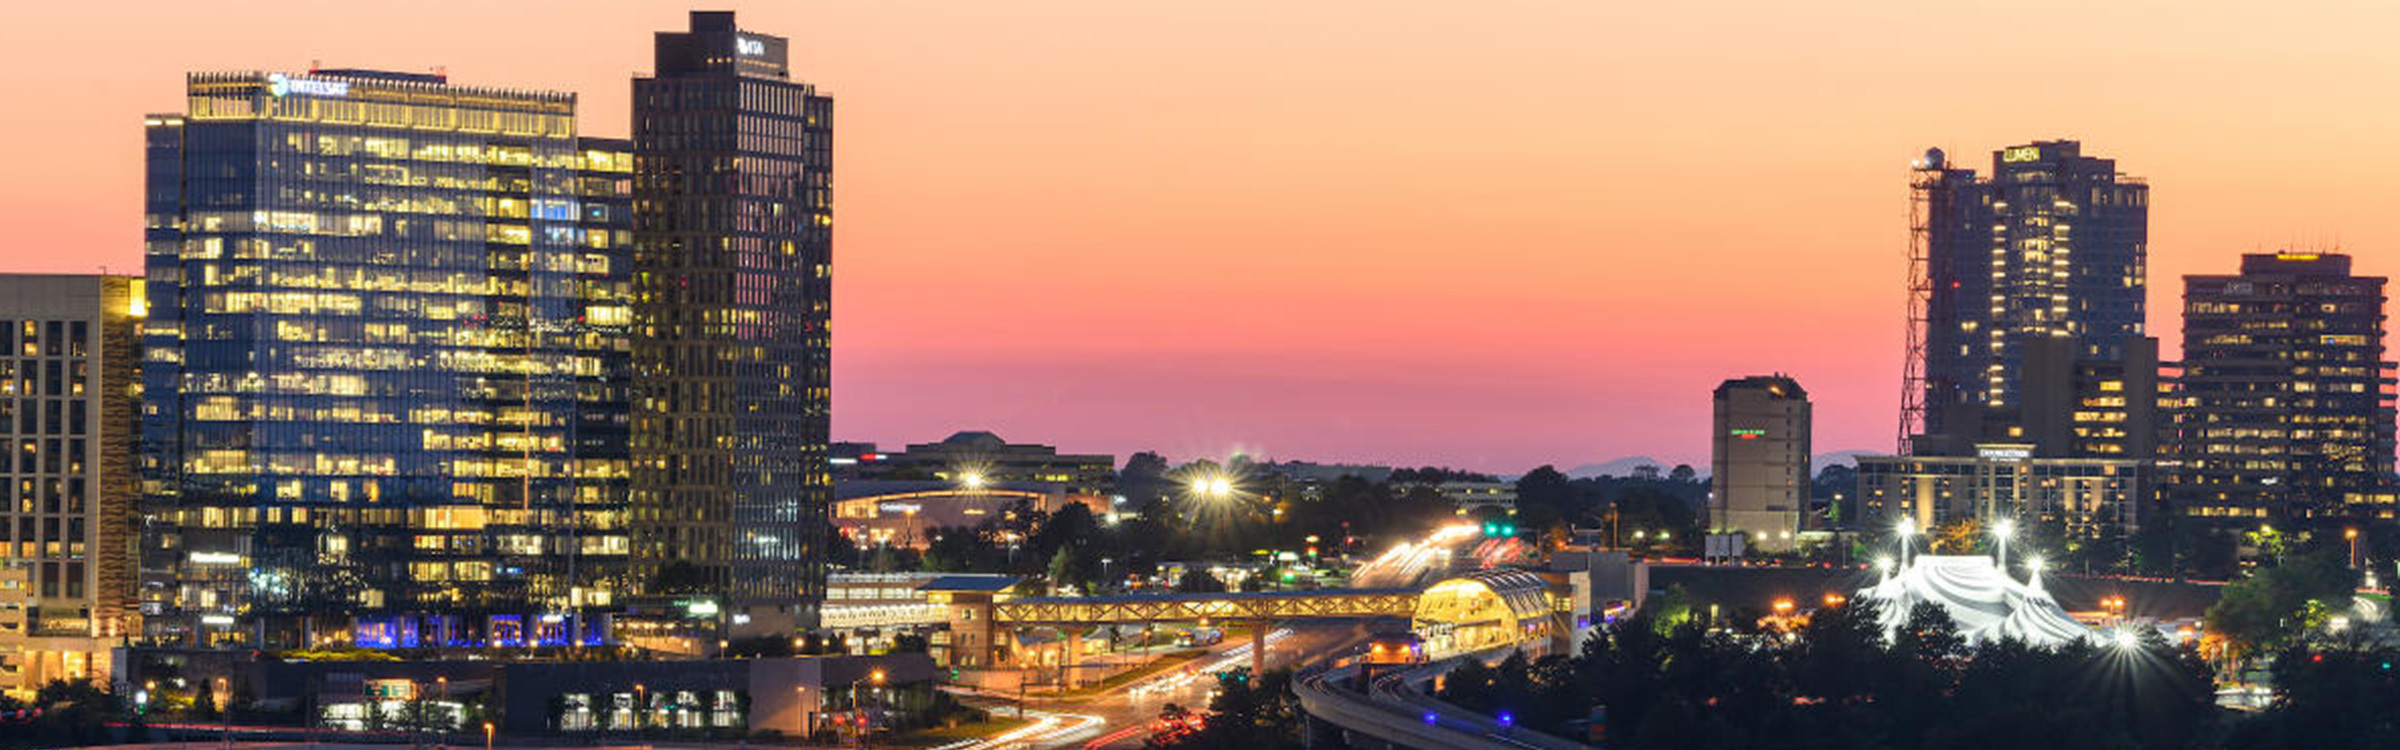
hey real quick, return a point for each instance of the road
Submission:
(1122, 718)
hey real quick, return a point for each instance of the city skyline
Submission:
(1217, 242)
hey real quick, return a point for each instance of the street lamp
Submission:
(1906, 529)
(640, 703)
(2006, 528)
(2351, 534)
(866, 730)
(487, 735)
(800, 705)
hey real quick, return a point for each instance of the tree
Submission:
(1250, 712)
(2265, 610)
(1144, 479)
(204, 702)
(1064, 571)
(1669, 610)
(1958, 537)
(1545, 497)
(1199, 581)
(1683, 473)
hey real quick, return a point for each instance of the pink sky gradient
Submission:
(1484, 234)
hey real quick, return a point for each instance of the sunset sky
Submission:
(1488, 234)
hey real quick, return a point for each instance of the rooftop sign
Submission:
(279, 84)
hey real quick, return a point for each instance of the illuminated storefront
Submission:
(386, 360)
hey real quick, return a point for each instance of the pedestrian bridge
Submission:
(1477, 611)
(1259, 605)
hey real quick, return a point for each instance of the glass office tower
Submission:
(2287, 401)
(733, 227)
(2053, 245)
(384, 362)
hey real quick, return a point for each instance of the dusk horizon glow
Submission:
(1396, 233)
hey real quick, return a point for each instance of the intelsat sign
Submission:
(279, 84)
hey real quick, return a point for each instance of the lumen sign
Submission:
(748, 47)
(2021, 154)
(279, 84)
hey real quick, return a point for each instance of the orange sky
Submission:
(1486, 234)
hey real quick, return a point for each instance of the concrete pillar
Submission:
(1258, 650)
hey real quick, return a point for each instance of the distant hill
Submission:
(1619, 467)
(1622, 467)
(1840, 458)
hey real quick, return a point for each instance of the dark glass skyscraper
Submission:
(385, 362)
(2286, 401)
(733, 284)
(2054, 244)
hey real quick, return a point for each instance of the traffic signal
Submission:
(1499, 529)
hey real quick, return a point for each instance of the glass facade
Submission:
(733, 286)
(2285, 406)
(385, 361)
(2054, 244)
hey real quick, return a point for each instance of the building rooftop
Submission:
(970, 582)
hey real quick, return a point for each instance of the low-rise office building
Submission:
(2085, 496)
(977, 458)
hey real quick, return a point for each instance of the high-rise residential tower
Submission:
(69, 375)
(733, 277)
(385, 381)
(2054, 244)
(1759, 478)
(2286, 401)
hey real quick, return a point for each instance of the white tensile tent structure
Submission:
(1987, 603)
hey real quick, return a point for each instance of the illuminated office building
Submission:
(2053, 245)
(1759, 479)
(2080, 498)
(733, 279)
(2285, 407)
(385, 377)
(68, 379)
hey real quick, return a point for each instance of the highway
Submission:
(1127, 714)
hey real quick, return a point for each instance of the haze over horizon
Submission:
(1365, 232)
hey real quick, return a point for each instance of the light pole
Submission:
(2351, 534)
(224, 712)
(1906, 530)
(640, 706)
(866, 729)
(443, 681)
(800, 704)
(487, 735)
(2005, 528)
